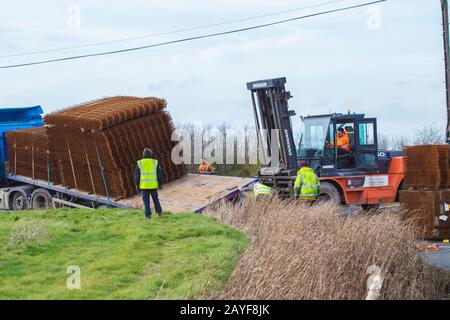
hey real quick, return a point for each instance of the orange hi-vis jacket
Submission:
(205, 168)
(343, 142)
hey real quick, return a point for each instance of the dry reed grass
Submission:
(298, 252)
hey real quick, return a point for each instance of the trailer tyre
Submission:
(329, 192)
(41, 199)
(19, 202)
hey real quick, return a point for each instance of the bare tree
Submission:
(223, 128)
(383, 142)
(429, 134)
(397, 143)
(190, 127)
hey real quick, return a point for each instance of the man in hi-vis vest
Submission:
(149, 178)
(307, 184)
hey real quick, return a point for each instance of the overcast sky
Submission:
(385, 60)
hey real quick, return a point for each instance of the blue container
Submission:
(14, 119)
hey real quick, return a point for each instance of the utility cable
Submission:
(190, 38)
(93, 44)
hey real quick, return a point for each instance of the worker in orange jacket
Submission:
(342, 141)
(205, 167)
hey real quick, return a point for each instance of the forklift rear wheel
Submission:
(329, 192)
(19, 202)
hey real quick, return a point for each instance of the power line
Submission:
(190, 38)
(94, 44)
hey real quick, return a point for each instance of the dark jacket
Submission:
(137, 174)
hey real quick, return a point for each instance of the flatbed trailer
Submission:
(61, 192)
(191, 193)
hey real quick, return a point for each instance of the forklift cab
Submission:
(339, 143)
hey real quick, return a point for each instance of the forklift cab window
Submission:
(329, 153)
(366, 134)
(314, 132)
(367, 157)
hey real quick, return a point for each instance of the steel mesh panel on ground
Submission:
(448, 171)
(442, 225)
(423, 167)
(100, 114)
(443, 165)
(80, 151)
(421, 209)
(425, 209)
(28, 151)
(442, 233)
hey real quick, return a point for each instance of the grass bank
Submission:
(120, 254)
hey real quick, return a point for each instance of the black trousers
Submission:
(146, 198)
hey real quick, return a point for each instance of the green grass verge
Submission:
(121, 255)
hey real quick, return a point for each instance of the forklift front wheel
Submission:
(329, 192)
(369, 207)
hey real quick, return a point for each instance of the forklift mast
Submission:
(271, 110)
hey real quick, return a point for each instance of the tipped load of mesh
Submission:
(94, 146)
(428, 197)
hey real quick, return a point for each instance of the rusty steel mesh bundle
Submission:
(425, 210)
(28, 151)
(97, 152)
(427, 166)
(443, 165)
(441, 226)
(448, 164)
(104, 113)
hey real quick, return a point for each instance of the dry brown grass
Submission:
(299, 252)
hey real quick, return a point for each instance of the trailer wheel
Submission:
(329, 192)
(19, 202)
(41, 199)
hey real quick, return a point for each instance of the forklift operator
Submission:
(342, 141)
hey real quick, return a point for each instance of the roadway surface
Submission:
(439, 259)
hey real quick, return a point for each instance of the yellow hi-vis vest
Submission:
(307, 184)
(261, 190)
(149, 177)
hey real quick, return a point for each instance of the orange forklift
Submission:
(361, 174)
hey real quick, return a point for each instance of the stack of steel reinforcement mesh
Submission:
(97, 144)
(442, 221)
(429, 211)
(28, 151)
(444, 165)
(427, 167)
